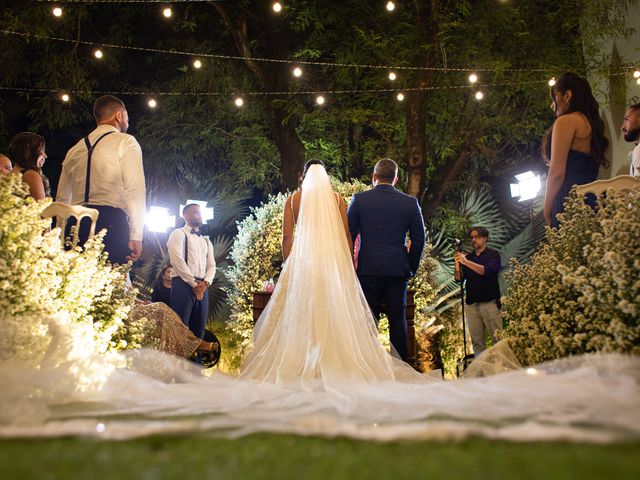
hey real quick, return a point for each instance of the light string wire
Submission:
(281, 61)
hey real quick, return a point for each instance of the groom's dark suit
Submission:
(382, 217)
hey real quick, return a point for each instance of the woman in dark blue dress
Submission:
(576, 147)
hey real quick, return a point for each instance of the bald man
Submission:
(5, 165)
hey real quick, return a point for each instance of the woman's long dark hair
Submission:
(24, 150)
(583, 101)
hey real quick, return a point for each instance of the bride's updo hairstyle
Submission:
(583, 101)
(313, 161)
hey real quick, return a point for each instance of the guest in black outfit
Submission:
(576, 147)
(162, 288)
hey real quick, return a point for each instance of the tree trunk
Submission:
(441, 182)
(274, 78)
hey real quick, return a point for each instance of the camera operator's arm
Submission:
(461, 257)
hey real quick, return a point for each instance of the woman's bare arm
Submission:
(36, 186)
(287, 228)
(564, 129)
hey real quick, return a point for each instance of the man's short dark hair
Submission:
(482, 231)
(106, 106)
(386, 170)
(635, 107)
(187, 207)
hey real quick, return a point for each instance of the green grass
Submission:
(285, 456)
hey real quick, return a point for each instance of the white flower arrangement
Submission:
(40, 282)
(581, 291)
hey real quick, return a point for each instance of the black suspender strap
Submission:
(90, 149)
(186, 248)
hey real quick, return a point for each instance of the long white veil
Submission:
(317, 329)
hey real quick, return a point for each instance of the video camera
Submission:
(457, 244)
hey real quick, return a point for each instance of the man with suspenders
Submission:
(104, 171)
(194, 266)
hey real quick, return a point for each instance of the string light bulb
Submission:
(636, 74)
(473, 78)
(479, 95)
(152, 103)
(400, 97)
(277, 7)
(65, 97)
(638, 81)
(320, 100)
(57, 12)
(297, 72)
(392, 76)
(391, 6)
(552, 82)
(238, 101)
(197, 64)
(167, 12)
(98, 54)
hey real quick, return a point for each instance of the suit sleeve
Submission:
(417, 236)
(353, 218)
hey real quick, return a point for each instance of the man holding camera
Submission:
(480, 270)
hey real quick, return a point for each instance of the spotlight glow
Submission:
(152, 103)
(297, 72)
(159, 220)
(197, 64)
(238, 101)
(277, 7)
(392, 76)
(552, 82)
(473, 78)
(57, 12)
(400, 97)
(167, 12)
(528, 186)
(65, 97)
(320, 100)
(390, 6)
(98, 54)
(479, 95)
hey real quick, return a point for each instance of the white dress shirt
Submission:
(634, 168)
(117, 177)
(201, 264)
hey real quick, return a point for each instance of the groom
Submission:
(382, 217)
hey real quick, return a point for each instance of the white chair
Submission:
(62, 212)
(621, 183)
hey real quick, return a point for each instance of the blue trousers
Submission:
(192, 311)
(392, 291)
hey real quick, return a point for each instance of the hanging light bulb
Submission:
(98, 53)
(320, 100)
(479, 95)
(400, 96)
(638, 81)
(197, 64)
(392, 76)
(167, 12)
(636, 74)
(238, 101)
(552, 82)
(277, 7)
(65, 97)
(57, 12)
(297, 72)
(152, 103)
(391, 6)
(473, 78)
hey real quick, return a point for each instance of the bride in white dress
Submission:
(318, 368)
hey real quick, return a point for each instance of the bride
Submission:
(317, 368)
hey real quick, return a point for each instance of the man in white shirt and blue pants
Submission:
(104, 171)
(194, 266)
(631, 130)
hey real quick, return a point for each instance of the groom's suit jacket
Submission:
(383, 216)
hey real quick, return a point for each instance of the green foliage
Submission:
(581, 291)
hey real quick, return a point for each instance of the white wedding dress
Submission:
(317, 368)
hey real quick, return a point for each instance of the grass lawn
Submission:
(286, 456)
